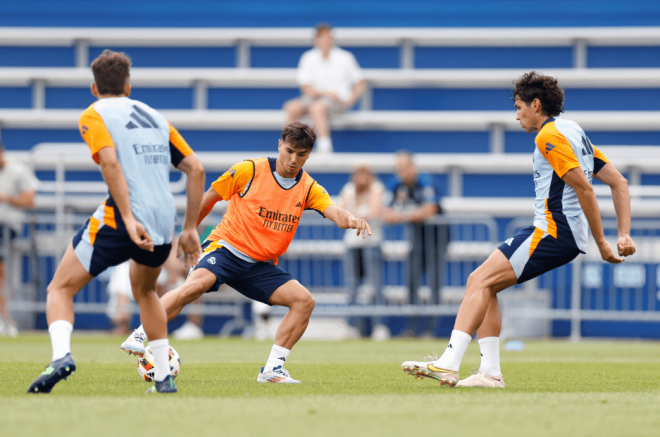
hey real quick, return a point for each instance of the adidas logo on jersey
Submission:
(298, 205)
(509, 241)
(548, 148)
(143, 119)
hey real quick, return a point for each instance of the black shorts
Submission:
(258, 281)
(110, 247)
(533, 252)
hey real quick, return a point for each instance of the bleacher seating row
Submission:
(231, 88)
(373, 47)
(363, 131)
(499, 185)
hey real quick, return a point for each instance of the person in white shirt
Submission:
(331, 82)
(18, 187)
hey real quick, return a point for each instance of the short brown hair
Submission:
(532, 86)
(111, 71)
(323, 27)
(299, 135)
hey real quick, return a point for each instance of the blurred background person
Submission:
(172, 276)
(411, 198)
(363, 197)
(18, 186)
(120, 297)
(331, 82)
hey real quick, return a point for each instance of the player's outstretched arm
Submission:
(587, 198)
(114, 177)
(189, 243)
(346, 220)
(609, 175)
(211, 197)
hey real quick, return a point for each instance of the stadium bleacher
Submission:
(443, 93)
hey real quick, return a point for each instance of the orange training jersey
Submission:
(262, 216)
(562, 145)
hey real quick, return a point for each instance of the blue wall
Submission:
(348, 13)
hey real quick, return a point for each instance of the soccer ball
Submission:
(147, 365)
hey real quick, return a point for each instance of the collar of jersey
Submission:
(273, 169)
(551, 119)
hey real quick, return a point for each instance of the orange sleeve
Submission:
(179, 149)
(234, 180)
(557, 150)
(94, 132)
(318, 198)
(599, 159)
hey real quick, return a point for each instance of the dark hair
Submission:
(2, 146)
(322, 27)
(111, 70)
(532, 86)
(299, 135)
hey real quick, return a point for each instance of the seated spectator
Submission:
(363, 197)
(412, 198)
(331, 82)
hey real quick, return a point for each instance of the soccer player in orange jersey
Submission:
(266, 200)
(565, 162)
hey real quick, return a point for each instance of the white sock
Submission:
(277, 357)
(453, 355)
(60, 338)
(490, 356)
(140, 330)
(160, 350)
(323, 145)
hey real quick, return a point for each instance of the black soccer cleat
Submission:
(54, 373)
(167, 385)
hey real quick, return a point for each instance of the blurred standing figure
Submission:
(412, 198)
(17, 191)
(363, 197)
(121, 294)
(331, 82)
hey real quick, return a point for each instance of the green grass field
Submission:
(349, 388)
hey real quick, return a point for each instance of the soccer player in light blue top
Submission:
(565, 162)
(134, 146)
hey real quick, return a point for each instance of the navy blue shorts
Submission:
(109, 247)
(258, 281)
(533, 252)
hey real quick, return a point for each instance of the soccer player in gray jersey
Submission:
(134, 145)
(565, 162)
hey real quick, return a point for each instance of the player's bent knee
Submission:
(308, 303)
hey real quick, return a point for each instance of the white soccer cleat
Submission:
(423, 369)
(188, 331)
(278, 375)
(482, 380)
(134, 344)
